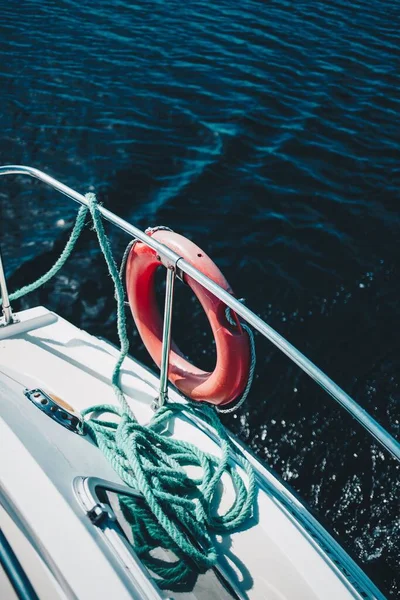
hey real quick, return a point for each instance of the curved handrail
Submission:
(170, 257)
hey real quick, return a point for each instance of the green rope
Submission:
(178, 511)
(75, 233)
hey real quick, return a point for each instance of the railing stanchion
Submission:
(8, 316)
(166, 339)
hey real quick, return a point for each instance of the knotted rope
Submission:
(179, 510)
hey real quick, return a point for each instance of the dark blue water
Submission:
(269, 133)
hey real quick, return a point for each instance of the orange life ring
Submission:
(229, 378)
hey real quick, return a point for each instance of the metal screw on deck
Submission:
(166, 339)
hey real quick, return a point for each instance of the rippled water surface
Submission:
(268, 133)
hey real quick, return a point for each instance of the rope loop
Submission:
(242, 400)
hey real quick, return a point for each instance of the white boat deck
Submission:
(274, 558)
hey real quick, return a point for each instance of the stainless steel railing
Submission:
(176, 263)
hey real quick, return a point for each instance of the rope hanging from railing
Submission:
(60, 262)
(253, 360)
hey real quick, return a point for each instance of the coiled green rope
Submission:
(178, 511)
